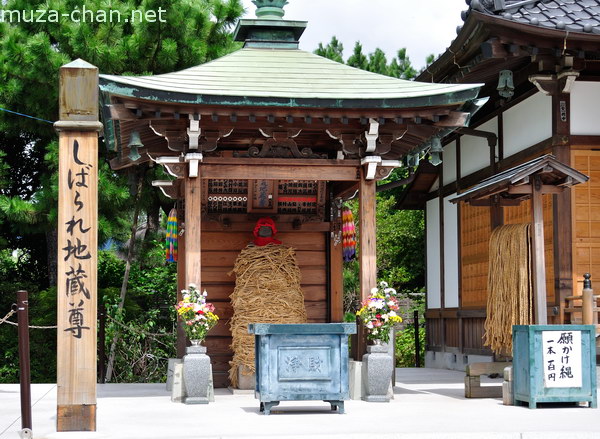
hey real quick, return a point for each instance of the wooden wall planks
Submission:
(475, 231)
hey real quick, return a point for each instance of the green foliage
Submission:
(399, 67)
(334, 50)
(400, 243)
(405, 347)
(358, 59)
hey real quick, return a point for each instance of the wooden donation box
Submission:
(301, 362)
(554, 363)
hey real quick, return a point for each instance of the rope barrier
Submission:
(7, 316)
(11, 312)
(150, 334)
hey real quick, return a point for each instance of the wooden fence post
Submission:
(588, 304)
(77, 247)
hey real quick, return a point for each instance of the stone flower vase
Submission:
(196, 374)
(377, 368)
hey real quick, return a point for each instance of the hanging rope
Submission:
(510, 290)
(25, 115)
(171, 239)
(348, 235)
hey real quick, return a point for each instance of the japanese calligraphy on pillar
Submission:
(77, 265)
(77, 224)
(77, 242)
(562, 358)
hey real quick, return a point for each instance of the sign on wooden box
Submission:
(554, 363)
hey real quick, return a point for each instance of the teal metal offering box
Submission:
(554, 363)
(301, 362)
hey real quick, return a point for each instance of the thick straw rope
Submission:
(267, 290)
(510, 291)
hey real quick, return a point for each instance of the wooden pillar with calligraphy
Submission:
(77, 246)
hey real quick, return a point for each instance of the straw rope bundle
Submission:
(510, 291)
(267, 290)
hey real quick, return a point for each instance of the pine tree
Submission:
(334, 50)
(358, 59)
(31, 54)
(378, 62)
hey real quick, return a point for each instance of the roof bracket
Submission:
(194, 159)
(372, 135)
(194, 131)
(377, 168)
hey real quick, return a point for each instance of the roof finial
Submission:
(270, 9)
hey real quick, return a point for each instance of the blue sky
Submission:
(422, 26)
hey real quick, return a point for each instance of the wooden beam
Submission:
(526, 189)
(278, 169)
(193, 227)
(538, 257)
(77, 247)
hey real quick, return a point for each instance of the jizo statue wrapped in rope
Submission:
(267, 290)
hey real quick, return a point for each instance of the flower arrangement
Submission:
(198, 315)
(378, 312)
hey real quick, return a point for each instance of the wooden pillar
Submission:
(181, 341)
(367, 224)
(539, 265)
(367, 251)
(336, 279)
(561, 205)
(193, 207)
(77, 247)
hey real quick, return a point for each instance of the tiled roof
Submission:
(568, 15)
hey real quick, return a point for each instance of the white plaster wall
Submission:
(474, 151)
(527, 123)
(433, 254)
(435, 186)
(450, 254)
(449, 163)
(585, 108)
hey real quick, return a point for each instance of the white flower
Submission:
(389, 291)
(392, 314)
(383, 284)
(193, 286)
(379, 304)
(205, 293)
(370, 325)
(374, 290)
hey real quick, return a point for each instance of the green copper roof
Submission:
(284, 77)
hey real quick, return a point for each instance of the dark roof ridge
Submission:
(581, 16)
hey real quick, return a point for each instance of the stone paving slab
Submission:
(428, 404)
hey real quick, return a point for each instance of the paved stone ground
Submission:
(428, 404)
